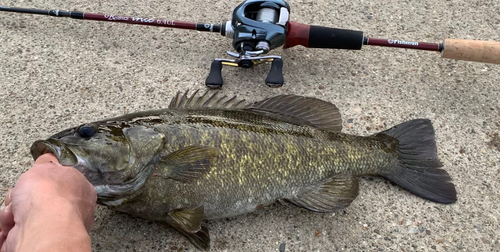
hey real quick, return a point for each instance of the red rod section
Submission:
(140, 21)
(297, 34)
(116, 18)
(403, 44)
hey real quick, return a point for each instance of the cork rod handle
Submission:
(472, 50)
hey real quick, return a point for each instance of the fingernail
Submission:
(7, 197)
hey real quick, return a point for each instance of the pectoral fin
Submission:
(337, 193)
(188, 164)
(188, 223)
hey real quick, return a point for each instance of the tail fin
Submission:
(418, 170)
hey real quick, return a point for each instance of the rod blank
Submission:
(117, 18)
(403, 44)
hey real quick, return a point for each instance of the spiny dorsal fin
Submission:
(318, 113)
(183, 101)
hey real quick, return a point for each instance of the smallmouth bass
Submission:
(206, 157)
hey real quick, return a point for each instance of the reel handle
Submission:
(472, 50)
(313, 36)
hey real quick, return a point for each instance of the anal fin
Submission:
(333, 195)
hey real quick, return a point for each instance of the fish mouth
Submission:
(63, 154)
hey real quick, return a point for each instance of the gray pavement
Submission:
(57, 73)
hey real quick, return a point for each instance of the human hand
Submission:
(48, 196)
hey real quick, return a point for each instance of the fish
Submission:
(208, 156)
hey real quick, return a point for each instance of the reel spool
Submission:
(257, 26)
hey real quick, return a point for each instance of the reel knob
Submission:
(214, 79)
(275, 76)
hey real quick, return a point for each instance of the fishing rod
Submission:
(259, 26)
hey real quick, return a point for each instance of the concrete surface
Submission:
(56, 73)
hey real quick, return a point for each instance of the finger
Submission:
(6, 223)
(47, 158)
(6, 218)
(93, 194)
(11, 242)
(89, 221)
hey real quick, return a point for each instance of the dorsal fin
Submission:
(183, 101)
(315, 112)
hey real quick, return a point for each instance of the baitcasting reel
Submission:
(257, 26)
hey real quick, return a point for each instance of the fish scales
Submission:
(259, 161)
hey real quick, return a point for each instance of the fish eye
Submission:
(86, 131)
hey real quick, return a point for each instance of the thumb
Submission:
(47, 158)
